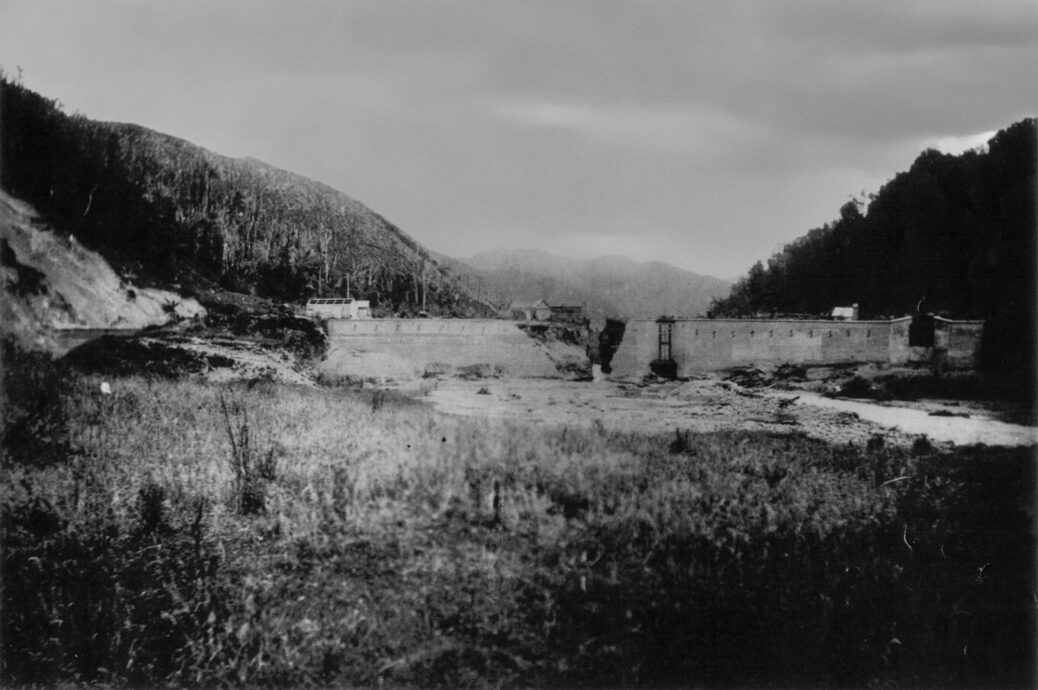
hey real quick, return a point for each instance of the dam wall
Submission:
(715, 344)
(410, 347)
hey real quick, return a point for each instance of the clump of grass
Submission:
(475, 372)
(253, 470)
(154, 517)
(680, 442)
(922, 446)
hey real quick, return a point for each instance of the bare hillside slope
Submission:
(52, 282)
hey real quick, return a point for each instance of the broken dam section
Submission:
(407, 348)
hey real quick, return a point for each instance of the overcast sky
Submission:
(702, 134)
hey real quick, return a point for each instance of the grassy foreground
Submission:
(178, 533)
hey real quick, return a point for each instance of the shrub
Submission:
(98, 600)
(252, 470)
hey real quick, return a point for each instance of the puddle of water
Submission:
(957, 430)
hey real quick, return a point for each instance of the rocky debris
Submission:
(859, 387)
(475, 372)
(738, 389)
(949, 413)
(791, 372)
(751, 377)
(674, 409)
(547, 332)
(192, 349)
(567, 345)
(261, 320)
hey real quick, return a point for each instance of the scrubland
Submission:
(179, 532)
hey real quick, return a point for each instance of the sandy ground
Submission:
(711, 404)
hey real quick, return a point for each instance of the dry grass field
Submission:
(194, 533)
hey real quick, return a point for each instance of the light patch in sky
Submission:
(666, 130)
(969, 142)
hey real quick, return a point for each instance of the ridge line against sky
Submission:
(701, 134)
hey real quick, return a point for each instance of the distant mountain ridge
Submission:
(610, 286)
(167, 212)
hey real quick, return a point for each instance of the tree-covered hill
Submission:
(958, 231)
(164, 210)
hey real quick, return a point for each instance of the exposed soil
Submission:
(53, 284)
(277, 348)
(713, 404)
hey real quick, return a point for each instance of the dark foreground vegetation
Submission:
(180, 533)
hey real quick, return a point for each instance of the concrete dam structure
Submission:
(413, 347)
(715, 344)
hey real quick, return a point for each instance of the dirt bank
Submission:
(53, 284)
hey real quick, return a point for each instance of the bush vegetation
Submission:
(169, 212)
(958, 231)
(181, 533)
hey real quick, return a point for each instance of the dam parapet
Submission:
(717, 344)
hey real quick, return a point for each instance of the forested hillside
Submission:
(164, 210)
(958, 231)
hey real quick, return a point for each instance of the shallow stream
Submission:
(978, 427)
